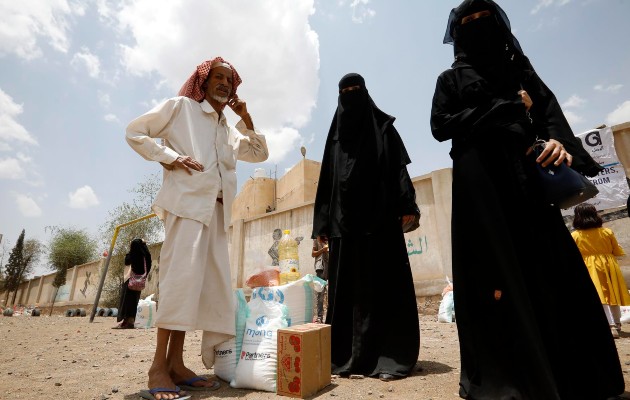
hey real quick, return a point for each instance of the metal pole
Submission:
(109, 257)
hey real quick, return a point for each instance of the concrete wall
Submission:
(255, 197)
(81, 286)
(298, 185)
(428, 247)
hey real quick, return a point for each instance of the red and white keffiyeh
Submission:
(192, 87)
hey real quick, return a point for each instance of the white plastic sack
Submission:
(256, 368)
(145, 314)
(226, 354)
(447, 308)
(625, 314)
(297, 296)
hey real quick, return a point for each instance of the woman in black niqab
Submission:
(519, 278)
(364, 198)
(136, 260)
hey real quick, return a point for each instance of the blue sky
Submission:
(74, 73)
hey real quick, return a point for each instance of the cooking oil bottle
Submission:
(288, 258)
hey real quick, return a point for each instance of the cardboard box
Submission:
(303, 360)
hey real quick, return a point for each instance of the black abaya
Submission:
(505, 238)
(139, 258)
(128, 302)
(363, 191)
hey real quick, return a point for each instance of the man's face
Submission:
(219, 85)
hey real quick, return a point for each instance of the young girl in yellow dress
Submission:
(599, 247)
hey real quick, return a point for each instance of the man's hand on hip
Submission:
(186, 163)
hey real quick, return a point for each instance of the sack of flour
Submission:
(298, 296)
(226, 354)
(256, 368)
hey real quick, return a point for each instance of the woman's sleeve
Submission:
(128, 259)
(617, 250)
(451, 118)
(321, 210)
(401, 185)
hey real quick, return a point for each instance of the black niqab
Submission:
(361, 150)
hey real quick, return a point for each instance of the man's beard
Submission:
(219, 99)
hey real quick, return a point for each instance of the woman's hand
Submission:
(526, 99)
(407, 219)
(554, 152)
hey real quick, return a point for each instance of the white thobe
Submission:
(195, 281)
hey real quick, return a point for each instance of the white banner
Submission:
(611, 182)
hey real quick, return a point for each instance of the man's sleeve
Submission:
(252, 146)
(142, 132)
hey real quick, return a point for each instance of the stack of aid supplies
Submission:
(255, 348)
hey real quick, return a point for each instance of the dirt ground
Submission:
(62, 357)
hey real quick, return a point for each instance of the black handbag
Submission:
(561, 185)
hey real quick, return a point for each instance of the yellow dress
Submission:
(599, 247)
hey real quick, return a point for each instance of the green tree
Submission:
(31, 253)
(13, 266)
(150, 230)
(69, 247)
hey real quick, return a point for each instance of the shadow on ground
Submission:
(424, 368)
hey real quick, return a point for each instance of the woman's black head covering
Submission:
(356, 162)
(483, 40)
(138, 253)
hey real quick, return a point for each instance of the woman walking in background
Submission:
(136, 260)
(599, 248)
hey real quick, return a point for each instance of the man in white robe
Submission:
(198, 150)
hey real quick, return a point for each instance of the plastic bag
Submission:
(145, 314)
(446, 311)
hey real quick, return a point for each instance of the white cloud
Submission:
(548, 3)
(104, 99)
(620, 115)
(361, 11)
(609, 89)
(282, 141)
(27, 206)
(83, 197)
(87, 59)
(573, 118)
(574, 101)
(24, 23)
(10, 129)
(280, 77)
(10, 168)
(111, 118)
